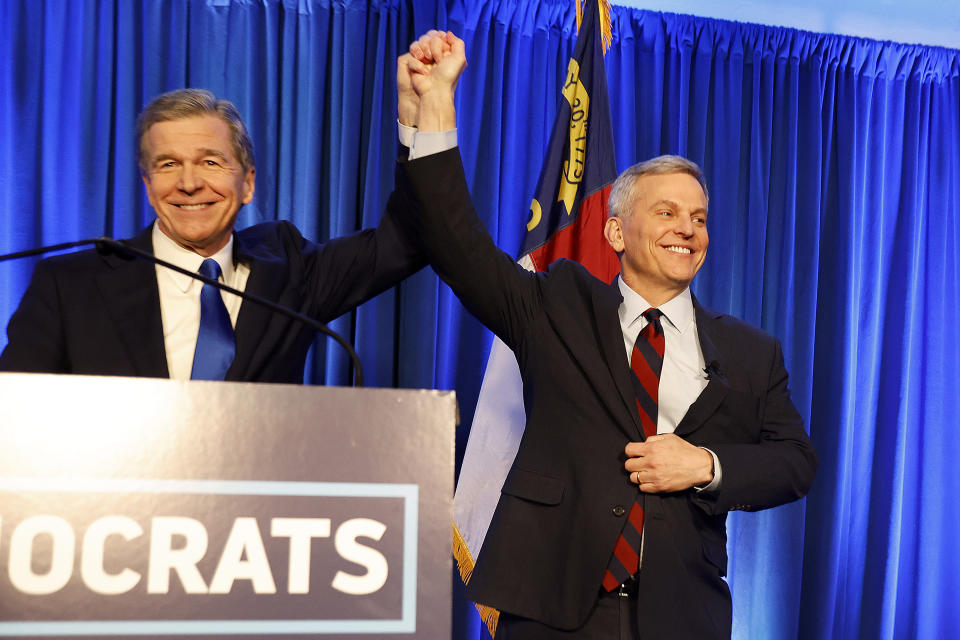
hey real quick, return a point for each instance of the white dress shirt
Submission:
(180, 298)
(682, 378)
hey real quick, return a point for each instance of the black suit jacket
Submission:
(99, 314)
(563, 502)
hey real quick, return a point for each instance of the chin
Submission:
(194, 232)
(682, 282)
(193, 240)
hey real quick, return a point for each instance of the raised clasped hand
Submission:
(437, 59)
(427, 77)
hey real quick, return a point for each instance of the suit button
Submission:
(619, 511)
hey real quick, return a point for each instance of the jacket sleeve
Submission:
(345, 272)
(779, 466)
(491, 285)
(35, 332)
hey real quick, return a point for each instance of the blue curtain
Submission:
(314, 80)
(834, 172)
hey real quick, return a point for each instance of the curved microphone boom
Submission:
(121, 247)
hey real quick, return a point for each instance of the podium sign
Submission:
(155, 508)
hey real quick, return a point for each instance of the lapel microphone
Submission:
(712, 370)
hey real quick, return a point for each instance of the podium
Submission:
(144, 508)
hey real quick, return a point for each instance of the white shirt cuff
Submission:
(717, 473)
(406, 134)
(425, 143)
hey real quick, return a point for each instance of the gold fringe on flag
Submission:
(606, 33)
(465, 565)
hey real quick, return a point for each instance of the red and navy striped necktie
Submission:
(646, 362)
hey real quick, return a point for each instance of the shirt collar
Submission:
(678, 310)
(166, 249)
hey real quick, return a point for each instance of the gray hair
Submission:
(187, 103)
(625, 191)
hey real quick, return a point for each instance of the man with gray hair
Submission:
(111, 314)
(648, 416)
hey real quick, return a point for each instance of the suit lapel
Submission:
(606, 302)
(268, 279)
(132, 299)
(716, 390)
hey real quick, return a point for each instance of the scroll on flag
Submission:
(567, 216)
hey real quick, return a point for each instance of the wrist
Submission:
(407, 112)
(437, 113)
(706, 475)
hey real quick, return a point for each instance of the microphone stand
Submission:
(121, 247)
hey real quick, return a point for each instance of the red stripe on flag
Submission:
(583, 240)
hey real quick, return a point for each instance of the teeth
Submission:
(682, 250)
(192, 207)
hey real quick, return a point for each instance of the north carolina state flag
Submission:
(570, 206)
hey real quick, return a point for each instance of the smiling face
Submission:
(663, 242)
(194, 181)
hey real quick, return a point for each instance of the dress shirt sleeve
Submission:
(425, 143)
(406, 134)
(714, 484)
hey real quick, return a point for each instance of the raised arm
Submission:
(500, 293)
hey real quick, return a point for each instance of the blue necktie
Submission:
(216, 343)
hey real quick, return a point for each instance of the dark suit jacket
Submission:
(560, 513)
(99, 314)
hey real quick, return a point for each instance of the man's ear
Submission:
(613, 232)
(146, 183)
(248, 184)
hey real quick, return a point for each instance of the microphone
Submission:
(105, 243)
(712, 369)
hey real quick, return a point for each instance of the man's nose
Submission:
(684, 226)
(190, 179)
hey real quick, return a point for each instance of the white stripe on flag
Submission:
(492, 445)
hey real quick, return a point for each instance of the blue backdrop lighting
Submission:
(834, 172)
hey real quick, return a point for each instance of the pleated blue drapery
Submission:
(834, 172)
